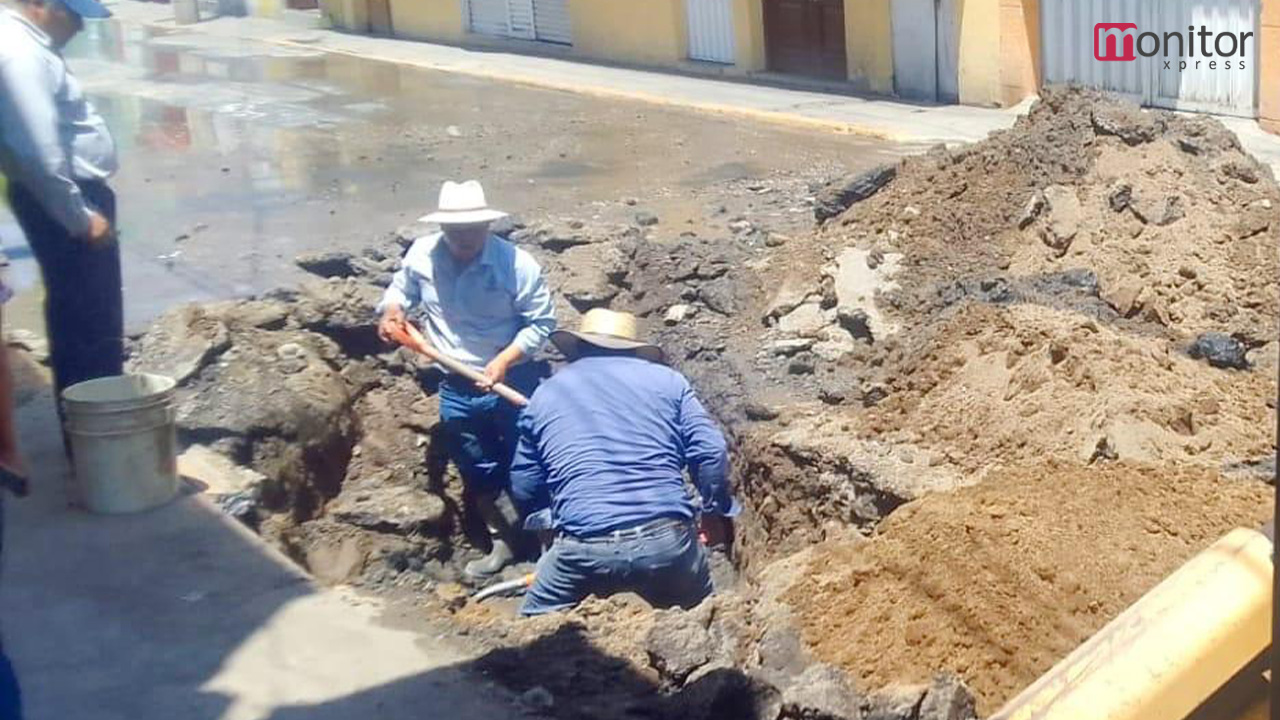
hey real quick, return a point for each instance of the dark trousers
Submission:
(84, 301)
(10, 695)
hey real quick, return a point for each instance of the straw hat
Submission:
(462, 204)
(609, 330)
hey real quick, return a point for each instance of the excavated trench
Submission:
(977, 345)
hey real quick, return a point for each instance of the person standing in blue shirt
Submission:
(57, 154)
(483, 302)
(603, 446)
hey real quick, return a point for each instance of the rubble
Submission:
(837, 196)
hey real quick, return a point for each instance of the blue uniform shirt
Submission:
(604, 442)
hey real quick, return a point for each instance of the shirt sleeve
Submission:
(529, 488)
(402, 292)
(707, 456)
(29, 127)
(533, 303)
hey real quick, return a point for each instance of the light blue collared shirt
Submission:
(473, 313)
(50, 135)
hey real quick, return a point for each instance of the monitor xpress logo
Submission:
(1194, 49)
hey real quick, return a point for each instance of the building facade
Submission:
(1220, 56)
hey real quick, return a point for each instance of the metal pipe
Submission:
(509, 587)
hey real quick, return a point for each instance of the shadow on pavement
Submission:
(180, 612)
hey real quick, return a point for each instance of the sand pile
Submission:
(998, 581)
(1017, 384)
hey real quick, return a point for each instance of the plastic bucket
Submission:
(125, 445)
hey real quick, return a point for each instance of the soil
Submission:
(999, 581)
(983, 365)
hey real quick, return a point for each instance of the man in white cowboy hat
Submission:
(484, 303)
(603, 445)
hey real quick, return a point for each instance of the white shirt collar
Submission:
(39, 35)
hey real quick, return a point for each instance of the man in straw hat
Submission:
(603, 445)
(485, 304)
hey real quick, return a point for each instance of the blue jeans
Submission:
(480, 429)
(666, 566)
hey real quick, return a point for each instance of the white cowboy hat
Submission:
(462, 204)
(609, 330)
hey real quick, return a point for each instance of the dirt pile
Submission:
(1171, 215)
(999, 581)
(1075, 315)
(1024, 383)
(1095, 284)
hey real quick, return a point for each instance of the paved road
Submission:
(238, 154)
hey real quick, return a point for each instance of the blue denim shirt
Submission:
(472, 313)
(604, 443)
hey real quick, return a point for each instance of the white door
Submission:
(551, 21)
(915, 60)
(1068, 42)
(710, 24)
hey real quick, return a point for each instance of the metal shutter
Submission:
(551, 20)
(1067, 28)
(1067, 41)
(488, 17)
(520, 15)
(1232, 92)
(710, 30)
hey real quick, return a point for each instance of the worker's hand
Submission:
(100, 230)
(392, 324)
(717, 530)
(495, 372)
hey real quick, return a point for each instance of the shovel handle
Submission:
(412, 338)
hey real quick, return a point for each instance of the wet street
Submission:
(238, 155)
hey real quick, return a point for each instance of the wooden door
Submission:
(380, 18)
(806, 37)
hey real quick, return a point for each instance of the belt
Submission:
(632, 533)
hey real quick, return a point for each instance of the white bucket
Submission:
(125, 445)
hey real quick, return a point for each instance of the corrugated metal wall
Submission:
(1201, 89)
(1067, 42)
(710, 24)
(551, 19)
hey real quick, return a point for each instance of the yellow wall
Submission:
(439, 20)
(1269, 83)
(979, 51)
(644, 32)
(748, 35)
(869, 44)
(1019, 50)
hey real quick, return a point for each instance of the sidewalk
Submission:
(900, 122)
(181, 613)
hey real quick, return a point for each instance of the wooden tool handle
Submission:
(412, 338)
